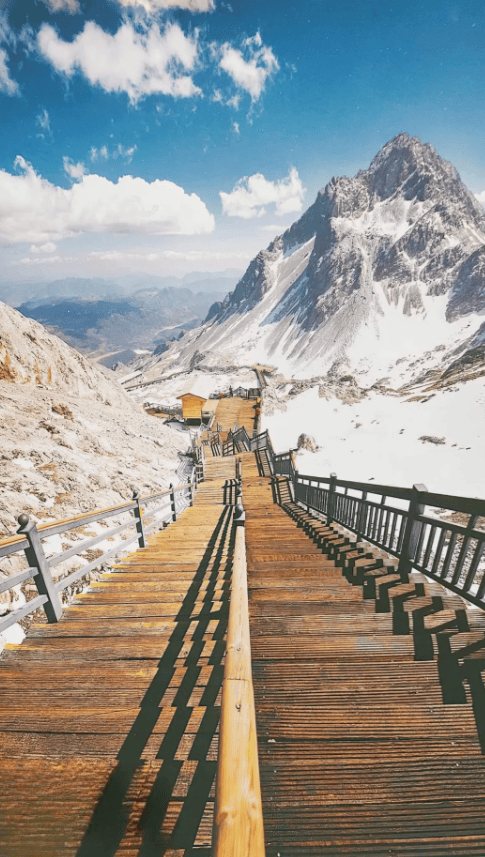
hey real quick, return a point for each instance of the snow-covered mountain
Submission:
(383, 276)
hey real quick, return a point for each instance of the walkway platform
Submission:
(358, 753)
(369, 742)
(108, 725)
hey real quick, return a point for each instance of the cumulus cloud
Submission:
(250, 67)
(71, 6)
(32, 209)
(139, 63)
(153, 6)
(74, 171)
(252, 193)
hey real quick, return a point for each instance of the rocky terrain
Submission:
(71, 440)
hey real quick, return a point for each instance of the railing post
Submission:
(36, 558)
(138, 519)
(172, 503)
(412, 531)
(191, 492)
(361, 514)
(331, 498)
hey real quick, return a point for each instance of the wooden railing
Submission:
(29, 543)
(238, 815)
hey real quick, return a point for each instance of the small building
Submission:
(194, 400)
(192, 405)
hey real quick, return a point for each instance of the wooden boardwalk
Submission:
(232, 410)
(369, 742)
(358, 753)
(108, 728)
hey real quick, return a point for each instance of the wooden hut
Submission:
(192, 405)
(194, 399)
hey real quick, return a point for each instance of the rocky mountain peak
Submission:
(386, 244)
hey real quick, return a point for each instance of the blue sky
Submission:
(166, 136)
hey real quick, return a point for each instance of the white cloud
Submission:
(95, 153)
(44, 260)
(7, 85)
(125, 152)
(252, 193)
(179, 255)
(74, 171)
(201, 255)
(138, 63)
(119, 151)
(43, 121)
(236, 129)
(71, 6)
(48, 247)
(32, 209)
(250, 67)
(152, 6)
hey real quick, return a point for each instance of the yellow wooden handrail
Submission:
(238, 816)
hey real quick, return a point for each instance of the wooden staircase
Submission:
(360, 754)
(109, 719)
(370, 743)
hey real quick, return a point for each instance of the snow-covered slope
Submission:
(383, 268)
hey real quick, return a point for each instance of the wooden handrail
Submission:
(238, 816)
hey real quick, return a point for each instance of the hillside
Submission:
(71, 439)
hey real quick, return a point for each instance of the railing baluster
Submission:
(470, 578)
(472, 522)
(439, 551)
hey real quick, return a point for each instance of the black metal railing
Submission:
(439, 535)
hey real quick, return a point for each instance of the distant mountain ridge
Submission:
(381, 268)
(143, 320)
(15, 293)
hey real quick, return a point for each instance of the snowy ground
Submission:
(165, 392)
(378, 438)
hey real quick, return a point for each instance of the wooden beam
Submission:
(238, 817)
